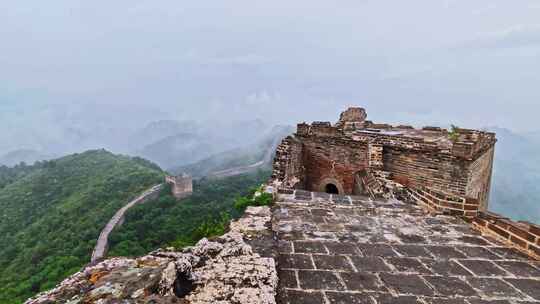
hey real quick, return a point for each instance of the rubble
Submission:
(222, 270)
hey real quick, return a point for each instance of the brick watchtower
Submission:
(442, 169)
(182, 185)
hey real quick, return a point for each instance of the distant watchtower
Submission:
(182, 185)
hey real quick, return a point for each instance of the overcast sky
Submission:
(472, 63)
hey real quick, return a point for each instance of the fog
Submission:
(83, 74)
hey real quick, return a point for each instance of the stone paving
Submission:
(345, 249)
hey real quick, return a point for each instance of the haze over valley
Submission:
(101, 101)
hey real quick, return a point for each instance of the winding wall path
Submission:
(102, 244)
(103, 241)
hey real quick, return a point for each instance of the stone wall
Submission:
(434, 170)
(333, 160)
(521, 235)
(445, 202)
(288, 166)
(479, 183)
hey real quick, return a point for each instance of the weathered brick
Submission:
(309, 247)
(369, 264)
(498, 230)
(409, 265)
(332, 262)
(321, 212)
(509, 253)
(407, 284)
(285, 191)
(480, 222)
(446, 268)
(378, 250)
(521, 243)
(321, 280)
(494, 287)
(483, 268)
(287, 279)
(295, 261)
(341, 248)
(524, 234)
(450, 286)
(360, 281)
(445, 301)
(480, 301)
(303, 297)
(284, 247)
(389, 299)
(527, 286)
(445, 252)
(535, 249)
(413, 251)
(477, 252)
(534, 229)
(519, 268)
(348, 298)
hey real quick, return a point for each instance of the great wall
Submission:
(181, 187)
(362, 213)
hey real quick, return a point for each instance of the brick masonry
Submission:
(457, 165)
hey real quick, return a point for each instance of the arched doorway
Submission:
(330, 185)
(331, 189)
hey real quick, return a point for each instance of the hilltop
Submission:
(53, 211)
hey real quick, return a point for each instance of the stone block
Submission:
(362, 281)
(527, 286)
(483, 268)
(450, 286)
(494, 288)
(321, 280)
(332, 262)
(295, 261)
(309, 247)
(407, 284)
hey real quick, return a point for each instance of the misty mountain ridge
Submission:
(27, 156)
(167, 142)
(241, 156)
(515, 189)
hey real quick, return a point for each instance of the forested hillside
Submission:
(167, 222)
(51, 215)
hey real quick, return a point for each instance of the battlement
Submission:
(182, 185)
(457, 162)
(462, 143)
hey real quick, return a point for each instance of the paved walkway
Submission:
(102, 243)
(346, 249)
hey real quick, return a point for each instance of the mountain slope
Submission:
(23, 155)
(52, 216)
(242, 156)
(166, 221)
(183, 148)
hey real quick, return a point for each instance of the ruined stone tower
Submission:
(182, 185)
(444, 170)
